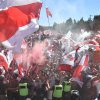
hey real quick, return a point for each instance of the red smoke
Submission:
(36, 55)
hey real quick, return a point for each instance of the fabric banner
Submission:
(18, 18)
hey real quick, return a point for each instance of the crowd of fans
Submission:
(49, 84)
(44, 86)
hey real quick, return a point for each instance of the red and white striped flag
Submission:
(83, 64)
(18, 18)
(77, 73)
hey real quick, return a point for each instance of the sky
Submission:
(64, 9)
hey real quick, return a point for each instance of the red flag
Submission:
(64, 67)
(77, 77)
(20, 69)
(18, 20)
(83, 64)
(97, 48)
(48, 12)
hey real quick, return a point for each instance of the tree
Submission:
(69, 22)
(89, 24)
(54, 25)
(81, 24)
(75, 21)
(96, 23)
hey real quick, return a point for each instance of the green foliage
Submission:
(96, 23)
(76, 26)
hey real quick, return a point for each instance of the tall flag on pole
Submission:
(48, 12)
(18, 18)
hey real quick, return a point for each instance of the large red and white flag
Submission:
(82, 65)
(18, 18)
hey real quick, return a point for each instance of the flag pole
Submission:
(48, 20)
